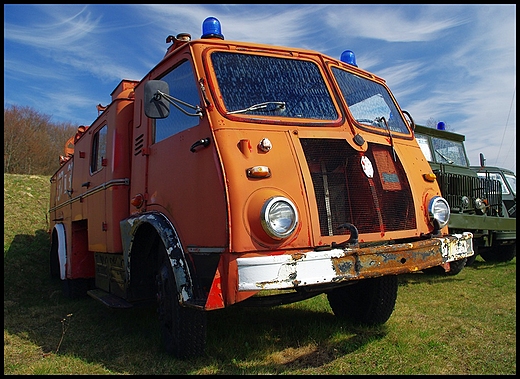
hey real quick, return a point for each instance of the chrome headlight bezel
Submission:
(279, 217)
(439, 212)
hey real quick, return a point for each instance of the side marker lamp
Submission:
(137, 201)
(258, 172)
(430, 177)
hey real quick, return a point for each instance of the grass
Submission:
(465, 324)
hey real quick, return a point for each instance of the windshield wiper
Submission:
(277, 104)
(382, 119)
(443, 157)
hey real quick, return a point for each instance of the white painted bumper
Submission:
(335, 265)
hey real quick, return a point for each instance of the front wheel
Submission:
(369, 302)
(183, 329)
(500, 253)
(455, 268)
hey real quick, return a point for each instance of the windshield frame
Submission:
(401, 128)
(432, 150)
(256, 115)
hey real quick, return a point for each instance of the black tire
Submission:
(54, 266)
(77, 288)
(369, 302)
(54, 261)
(455, 268)
(183, 329)
(471, 260)
(500, 253)
(476, 251)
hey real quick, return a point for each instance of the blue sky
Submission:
(451, 63)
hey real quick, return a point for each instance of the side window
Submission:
(99, 150)
(182, 86)
(425, 147)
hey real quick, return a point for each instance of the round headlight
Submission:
(279, 217)
(464, 202)
(439, 211)
(480, 205)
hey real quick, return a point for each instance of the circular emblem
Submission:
(368, 169)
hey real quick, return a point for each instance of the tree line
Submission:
(32, 143)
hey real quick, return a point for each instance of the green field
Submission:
(463, 324)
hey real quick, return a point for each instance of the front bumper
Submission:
(338, 265)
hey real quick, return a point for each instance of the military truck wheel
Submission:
(501, 253)
(369, 302)
(183, 330)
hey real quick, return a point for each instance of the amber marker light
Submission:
(430, 177)
(258, 172)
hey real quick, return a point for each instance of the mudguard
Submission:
(62, 249)
(170, 239)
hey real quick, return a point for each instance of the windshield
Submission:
(451, 152)
(369, 102)
(511, 179)
(271, 86)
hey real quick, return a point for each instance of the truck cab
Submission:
(500, 252)
(245, 174)
(477, 200)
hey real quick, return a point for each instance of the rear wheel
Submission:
(71, 288)
(54, 261)
(183, 329)
(77, 288)
(500, 253)
(369, 302)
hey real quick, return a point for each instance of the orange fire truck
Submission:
(242, 173)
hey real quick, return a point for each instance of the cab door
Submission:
(184, 179)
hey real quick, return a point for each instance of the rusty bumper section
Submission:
(336, 265)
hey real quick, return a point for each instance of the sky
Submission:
(450, 63)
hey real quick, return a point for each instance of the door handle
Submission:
(202, 142)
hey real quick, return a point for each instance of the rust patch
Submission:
(385, 260)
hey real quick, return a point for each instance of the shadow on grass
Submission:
(431, 278)
(240, 340)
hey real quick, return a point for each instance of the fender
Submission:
(171, 241)
(62, 249)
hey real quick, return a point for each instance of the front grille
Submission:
(345, 194)
(454, 187)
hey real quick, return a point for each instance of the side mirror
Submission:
(482, 160)
(155, 104)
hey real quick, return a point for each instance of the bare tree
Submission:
(32, 144)
(432, 123)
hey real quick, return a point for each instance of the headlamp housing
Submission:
(279, 217)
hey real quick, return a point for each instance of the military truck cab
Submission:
(476, 200)
(500, 252)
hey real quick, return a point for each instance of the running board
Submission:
(108, 299)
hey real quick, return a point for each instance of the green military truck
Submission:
(504, 249)
(477, 199)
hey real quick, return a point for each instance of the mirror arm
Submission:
(173, 101)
